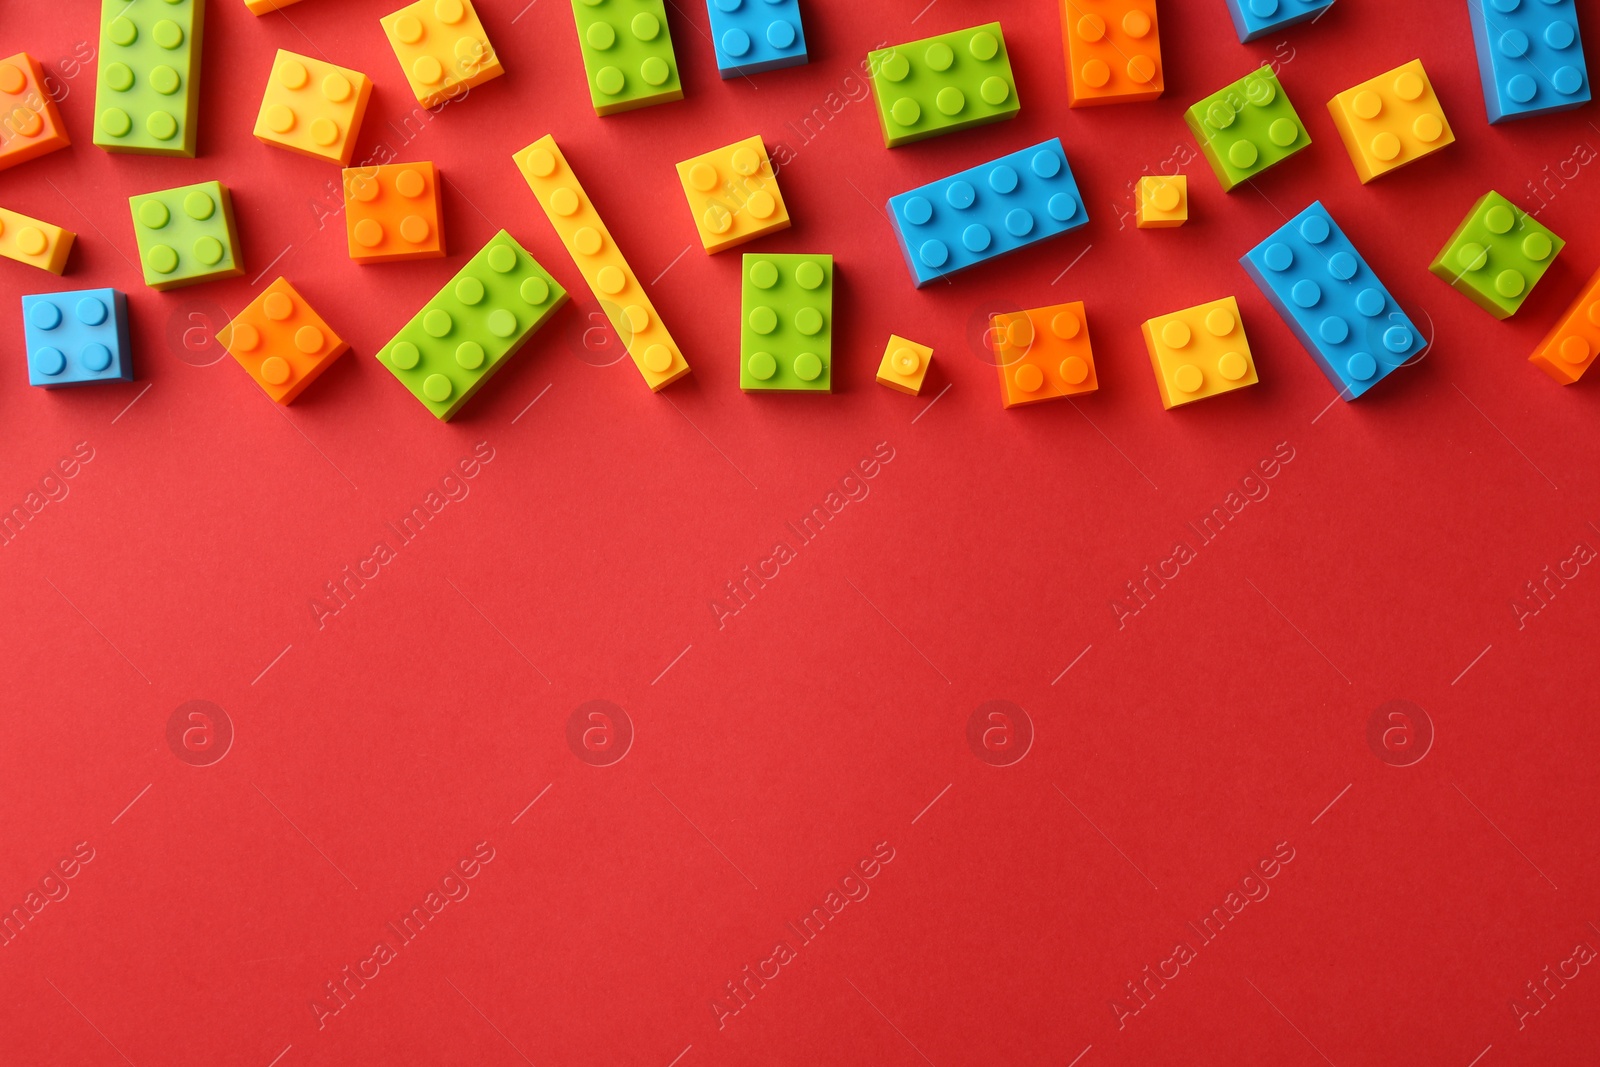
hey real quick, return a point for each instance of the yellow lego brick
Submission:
(261, 7)
(733, 194)
(1163, 202)
(35, 243)
(442, 48)
(313, 108)
(905, 365)
(615, 285)
(1199, 352)
(1390, 121)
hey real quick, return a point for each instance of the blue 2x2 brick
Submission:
(751, 36)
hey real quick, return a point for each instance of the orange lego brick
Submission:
(30, 125)
(905, 365)
(733, 194)
(1199, 352)
(1568, 349)
(313, 107)
(1113, 51)
(442, 48)
(1390, 120)
(1043, 354)
(35, 243)
(281, 342)
(392, 212)
(1163, 202)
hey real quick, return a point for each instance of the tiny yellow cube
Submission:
(1391, 120)
(733, 195)
(442, 48)
(1163, 202)
(313, 108)
(1199, 352)
(905, 365)
(35, 243)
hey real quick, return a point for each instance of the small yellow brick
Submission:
(35, 243)
(905, 365)
(1163, 202)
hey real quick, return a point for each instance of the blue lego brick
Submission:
(1257, 18)
(1334, 303)
(1530, 56)
(981, 214)
(751, 36)
(77, 338)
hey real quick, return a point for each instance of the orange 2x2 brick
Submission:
(281, 342)
(1113, 51)
(392, 212)
(1043, 354)
(30, 125)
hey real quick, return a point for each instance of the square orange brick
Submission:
(1043, 354)
(1570, 347)
(1113, 51)
(392, 212)
(313, 108)
(281, 342)
(905, 365)
(30, 125)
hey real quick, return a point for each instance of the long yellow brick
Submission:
(35, 243)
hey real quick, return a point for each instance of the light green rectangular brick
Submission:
(943, 84)
(786, 324)
(148, 88)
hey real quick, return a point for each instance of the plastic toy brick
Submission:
(1199, 352)
(186, 235)
(313, 108)
(983, 213)
(281, 342)
(1257, 18)
(30, 125)
(751, 36)
(1570, 347)
(622, 298)
(905, 365)
(786, 324)
(442, 48)
(1247, 127)
(1333, 302)
(35, 243)
(392, 212)
(733, 194)
(1043, 354)
(1497, 255)
(77, 338)
(473, 326)
(1530, 56)
(627, 53)
(1163, 202)
(148, 93)
(1391, 120)
(943, 84)
(1113, 51)
(261, 7)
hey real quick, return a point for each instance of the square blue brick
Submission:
(1530, 56)
(1336, 306)
(1257, 18)
(77, 338)
(981, 214)
(751, 36)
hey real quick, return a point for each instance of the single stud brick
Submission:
(35, 243)
(1530, 56)
(281, 342)
(942, 84)
(1254, 19)
(313, 108)
(1391, 120)
(77, 338)
(786, 324)
(1570, 347)
(261, 7)
(627, 53)
(442, 48)
(1333, 302)
(1247, 127)
(1199, 352)
(983, 213)
(1113, 51)
(186, 235)
(751, 36)
(623, 299)
(733, 194)
(905, 365)
(392, 212)
(30, 125)
(148, 92)
(1497, 255)
(1043, 354)
(473, 326)
(1163, 202)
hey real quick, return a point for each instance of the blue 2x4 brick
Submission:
(1530, 57)
(751, 36)
(983, 213)
(1334, 303)
(1257, 18)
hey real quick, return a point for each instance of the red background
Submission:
(1185, 743)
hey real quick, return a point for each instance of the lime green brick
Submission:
(1247, 127)
(942, 84)
(186, 235)
(1497, 255)
(627, 54)
(786, 324)
(473, 326)
(147, 93)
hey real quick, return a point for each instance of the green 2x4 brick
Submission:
(1247, 127)
(786, 332)
(186, 235)
(1497, 255)
(942, 84)
(147, 92)
(627, 54)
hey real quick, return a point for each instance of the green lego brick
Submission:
(942, 84)
(1247, 127)
(627, 53)
(473, 326)
(147, 94)
(186, 235)
(786, 324)
(1497, 255)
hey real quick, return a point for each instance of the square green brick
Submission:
(186, 235)
(473, 326)
(1497, 255)
(1247, 127)
(786, 324)
(627, 54)
(147, 91)
(942, 84)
